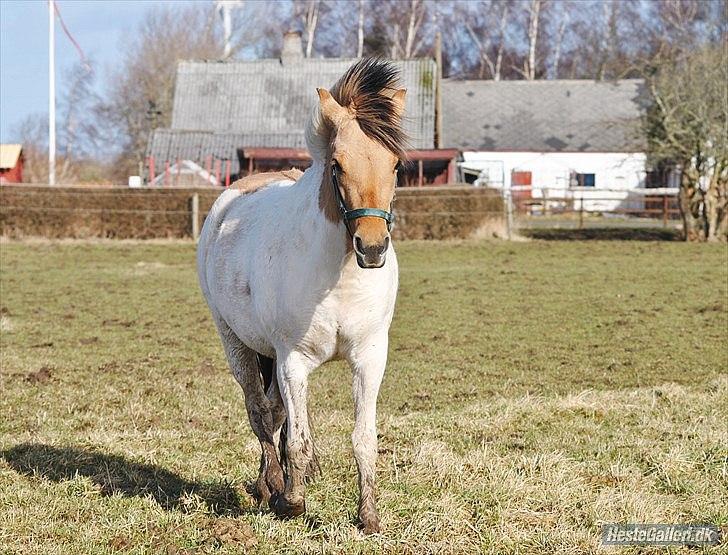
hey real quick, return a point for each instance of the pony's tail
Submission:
(267, 369)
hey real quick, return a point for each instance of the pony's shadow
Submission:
(114, 474)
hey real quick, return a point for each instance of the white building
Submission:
(563, 139)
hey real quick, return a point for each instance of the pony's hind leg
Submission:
(246, 368)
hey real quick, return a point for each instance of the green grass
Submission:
(534, 391)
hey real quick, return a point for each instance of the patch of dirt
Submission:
(169, 342)
(233, 532)
(117, 322)
(88, 340)
(716, 307)
(42, 376)
(119, 543)
(603, 481)
(42, 345)
(108, 366)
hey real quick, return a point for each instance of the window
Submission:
(470, 176)
(585, 180)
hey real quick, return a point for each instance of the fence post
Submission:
(664, 210)
(581, 211)
(151, 170)
(195, 216)
(508, 201)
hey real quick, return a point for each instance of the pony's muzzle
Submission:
(371, 255)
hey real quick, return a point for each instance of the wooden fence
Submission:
(80, 212)
(658, 205)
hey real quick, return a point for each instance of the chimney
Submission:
(292, 48)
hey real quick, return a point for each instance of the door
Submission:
(521, 189)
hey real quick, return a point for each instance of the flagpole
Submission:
(51, 94)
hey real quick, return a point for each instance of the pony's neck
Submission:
(327, 201)
(331, 232)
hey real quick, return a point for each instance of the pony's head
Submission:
(361, 143)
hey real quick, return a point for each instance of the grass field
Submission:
(535, 390)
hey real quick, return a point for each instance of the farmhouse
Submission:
(549, 138)
(11, 163)
(235, 117)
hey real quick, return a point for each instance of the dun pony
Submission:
(300, 272)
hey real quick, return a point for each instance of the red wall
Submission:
(14, 174)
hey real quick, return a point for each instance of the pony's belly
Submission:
(258, 343)
(239, 314)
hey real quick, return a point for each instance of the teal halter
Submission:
(349, 215)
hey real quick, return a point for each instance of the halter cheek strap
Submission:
(349, 215)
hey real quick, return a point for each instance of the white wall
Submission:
(616, 173)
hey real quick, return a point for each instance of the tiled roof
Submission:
(268, 97)
(221, 107)
(543, 116)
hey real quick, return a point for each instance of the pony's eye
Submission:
(398, 166)
(337, 167)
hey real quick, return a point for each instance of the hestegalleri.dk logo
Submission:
(660, 534)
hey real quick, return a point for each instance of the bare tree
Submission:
(534, 11)
(256, 31)
(306, 13)
(398, 28)
(687, 127)
(141, 90)
(416, 15)
(559, 42)
(360, 31)
(310, 22)
(80, 133)
(501, 41)
(488, 41)
(483, 48)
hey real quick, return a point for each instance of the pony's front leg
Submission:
(293, 371)
(367, 363)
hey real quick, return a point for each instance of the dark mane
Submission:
(366, 88)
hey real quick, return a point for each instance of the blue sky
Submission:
(99, 26)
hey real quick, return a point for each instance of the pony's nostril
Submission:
(358, 245)
(386, 243)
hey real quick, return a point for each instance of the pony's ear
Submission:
(330, 109)
(398, 99)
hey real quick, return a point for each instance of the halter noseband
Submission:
(349, 215)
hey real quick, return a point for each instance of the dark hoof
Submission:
(285, 509)
(369, 520)
(262, 493)
(370, 528)
(258, 491)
